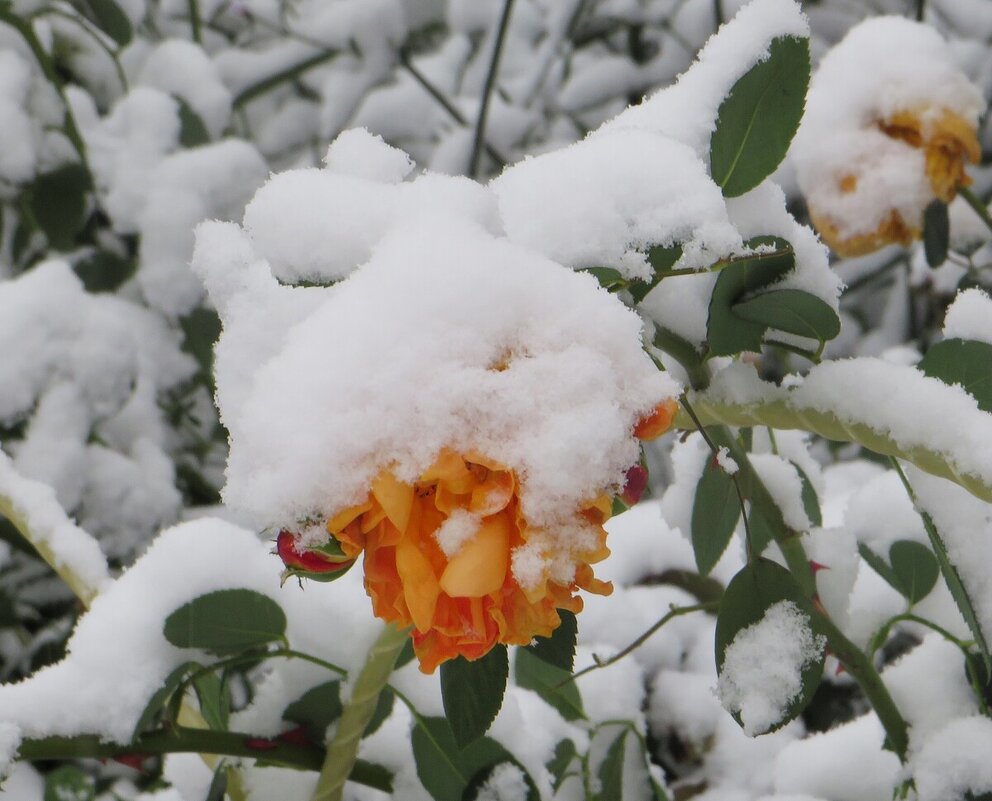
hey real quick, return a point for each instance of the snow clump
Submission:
(763, 667)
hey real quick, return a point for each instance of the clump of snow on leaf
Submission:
(970, 316)
(763, 666)
(447, 337)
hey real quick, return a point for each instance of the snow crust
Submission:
(763, 666)
(504, 353)
(889, 398)
(970, 316)
(118, 656)
(36, 505)
(955, 761)
(82, 367)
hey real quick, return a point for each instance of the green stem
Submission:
(686, 355)
(790, 544)
(757, 493)
(673, 612)
(976, 203)
(487, 90)
(446, 104)
(194, 19)
(23, 27)
(863, 672)
(343, 750)
(181, 740)
(748, 543)
(248, 659)
(98, 39)
(880, 636)
(265, 85)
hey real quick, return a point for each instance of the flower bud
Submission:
(323, 563)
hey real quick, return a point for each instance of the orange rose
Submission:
(451, 555)
(947, 142)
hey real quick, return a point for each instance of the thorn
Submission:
(260, 744)
(816, 567)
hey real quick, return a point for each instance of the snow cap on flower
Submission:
(459, 408)
(890, 122)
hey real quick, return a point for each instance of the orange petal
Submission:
(341, 520)
(449, 469)
(658, 421)
(493, 495)
(420, 586)
(480, 565)
(395, 498)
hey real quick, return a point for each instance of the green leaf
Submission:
(756, 588)
(103, 271)
(660, 259)
(550, 682)
(559, 648)
(472, 692)
(565, 755)
(915, 568)
(757, 120)
(111, 20)
(958, 591)
(201, 329)
(761, 531)
(611, 770)
(811, 503)
(21, 240)
(792, 311)
(218, 785)
(406, 655)
(162, 695)
(610, 279)
(192, 131)
(69, 783)
(215, 700)
(316, 709)
(57, 201)
(226, 622)
(880, 566)
(727, 333)
(444, 769)
(962, 361)
(715, 512)
(383, 709)
(8, 612)
(936, 233)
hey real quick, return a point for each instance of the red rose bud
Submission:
(311, 564)
(634, 486)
